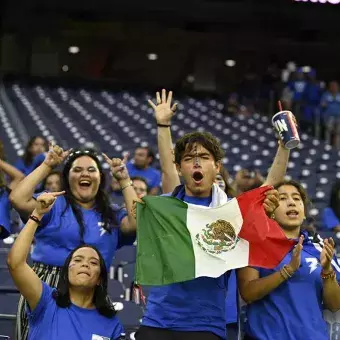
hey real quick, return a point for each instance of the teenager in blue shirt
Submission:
(33, 156)
(331, 214)
(80, 307)
(286, 303)
(83, 215)
(141, 167)
(53, 182)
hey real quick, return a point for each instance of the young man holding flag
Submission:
(194, 309)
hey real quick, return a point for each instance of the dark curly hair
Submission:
(205, 139)
(101, 299)
(103, 205)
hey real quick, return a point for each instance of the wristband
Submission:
(127, 185)
(330, 275)
(163, 125)
(35, 219)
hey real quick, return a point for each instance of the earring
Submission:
(272, 216)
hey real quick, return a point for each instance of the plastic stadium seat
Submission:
(129, 314)
(9, 303)
(5, 277)
(7, 327)
(126, 274)
(125, 255)
(116, 290)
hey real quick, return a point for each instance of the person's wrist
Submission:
(48, 166)
(163, 122)
(327, 269)
(290, 269)
(37, 214)
(124, 183)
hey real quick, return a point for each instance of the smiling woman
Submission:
(79, 308)
(84, 215)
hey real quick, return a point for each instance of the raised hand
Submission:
(327, 254)
(134, 207)
(45, 202)
(118, 168)
(55, 155)
(163, 110)
(296, 257)
(271, 201)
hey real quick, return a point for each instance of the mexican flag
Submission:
(177, 241)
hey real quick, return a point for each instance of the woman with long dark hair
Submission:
(84, 215)
(286, 303)
(331, 214)
(80, 307)
(33, 155)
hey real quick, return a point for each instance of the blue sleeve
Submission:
(38, 160)
(118, 331)
(5, 215)
(45, 298)
(156, 180)
(123, 239)
(19, 164)
(330, 221)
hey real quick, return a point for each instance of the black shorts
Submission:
(152, 333)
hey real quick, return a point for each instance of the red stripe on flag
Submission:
(268, 245)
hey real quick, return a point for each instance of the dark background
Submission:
(190, 37)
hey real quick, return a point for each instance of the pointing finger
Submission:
(126, 157)
(59, 193)
(107, 159)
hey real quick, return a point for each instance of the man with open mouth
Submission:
(193, 309)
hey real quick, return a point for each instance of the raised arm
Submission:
(25, 279)
(331, 288)
(253, 288)
(163, 114)
(14, 174)
(120, 172)
(21, 196)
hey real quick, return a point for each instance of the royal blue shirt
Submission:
(27, 169)
(231, 299)
(330, 220)
(294, 309)
(5, 214)
(48, 321)
(58, 234)
(195, 305)
(150, 174)
(333, 104)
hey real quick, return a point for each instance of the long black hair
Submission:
(102, 204)
(101, 299)
(28, 156)
(335, 199)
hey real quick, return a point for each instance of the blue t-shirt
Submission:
(5, 214)
(231, 299)
(294, 309)
(196, 305)
(27, 169)
(330, 220)
(58, 234)
(48, 321)
(298, 89)
(333, 104)
(150, 174)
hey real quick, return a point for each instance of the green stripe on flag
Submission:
(164, 248)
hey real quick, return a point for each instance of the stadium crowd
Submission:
(76, 223)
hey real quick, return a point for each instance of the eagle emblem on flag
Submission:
(218, 237)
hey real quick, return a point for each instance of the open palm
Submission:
(163, 110)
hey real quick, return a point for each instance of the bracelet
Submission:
(163, 125)
(283, 275)
(127, 185)
(330, 275)
(286, 269)
(35, 219)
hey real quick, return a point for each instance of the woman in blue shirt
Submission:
(331, 214)
(79, 308)
(33, 156)
(83, 216)
(286, 303)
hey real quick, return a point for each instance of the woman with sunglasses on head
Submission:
(79, 308)
(287, 302)
(84, 215)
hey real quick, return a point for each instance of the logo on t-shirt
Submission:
(99, 337)
(313, 263)
(102, 230)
